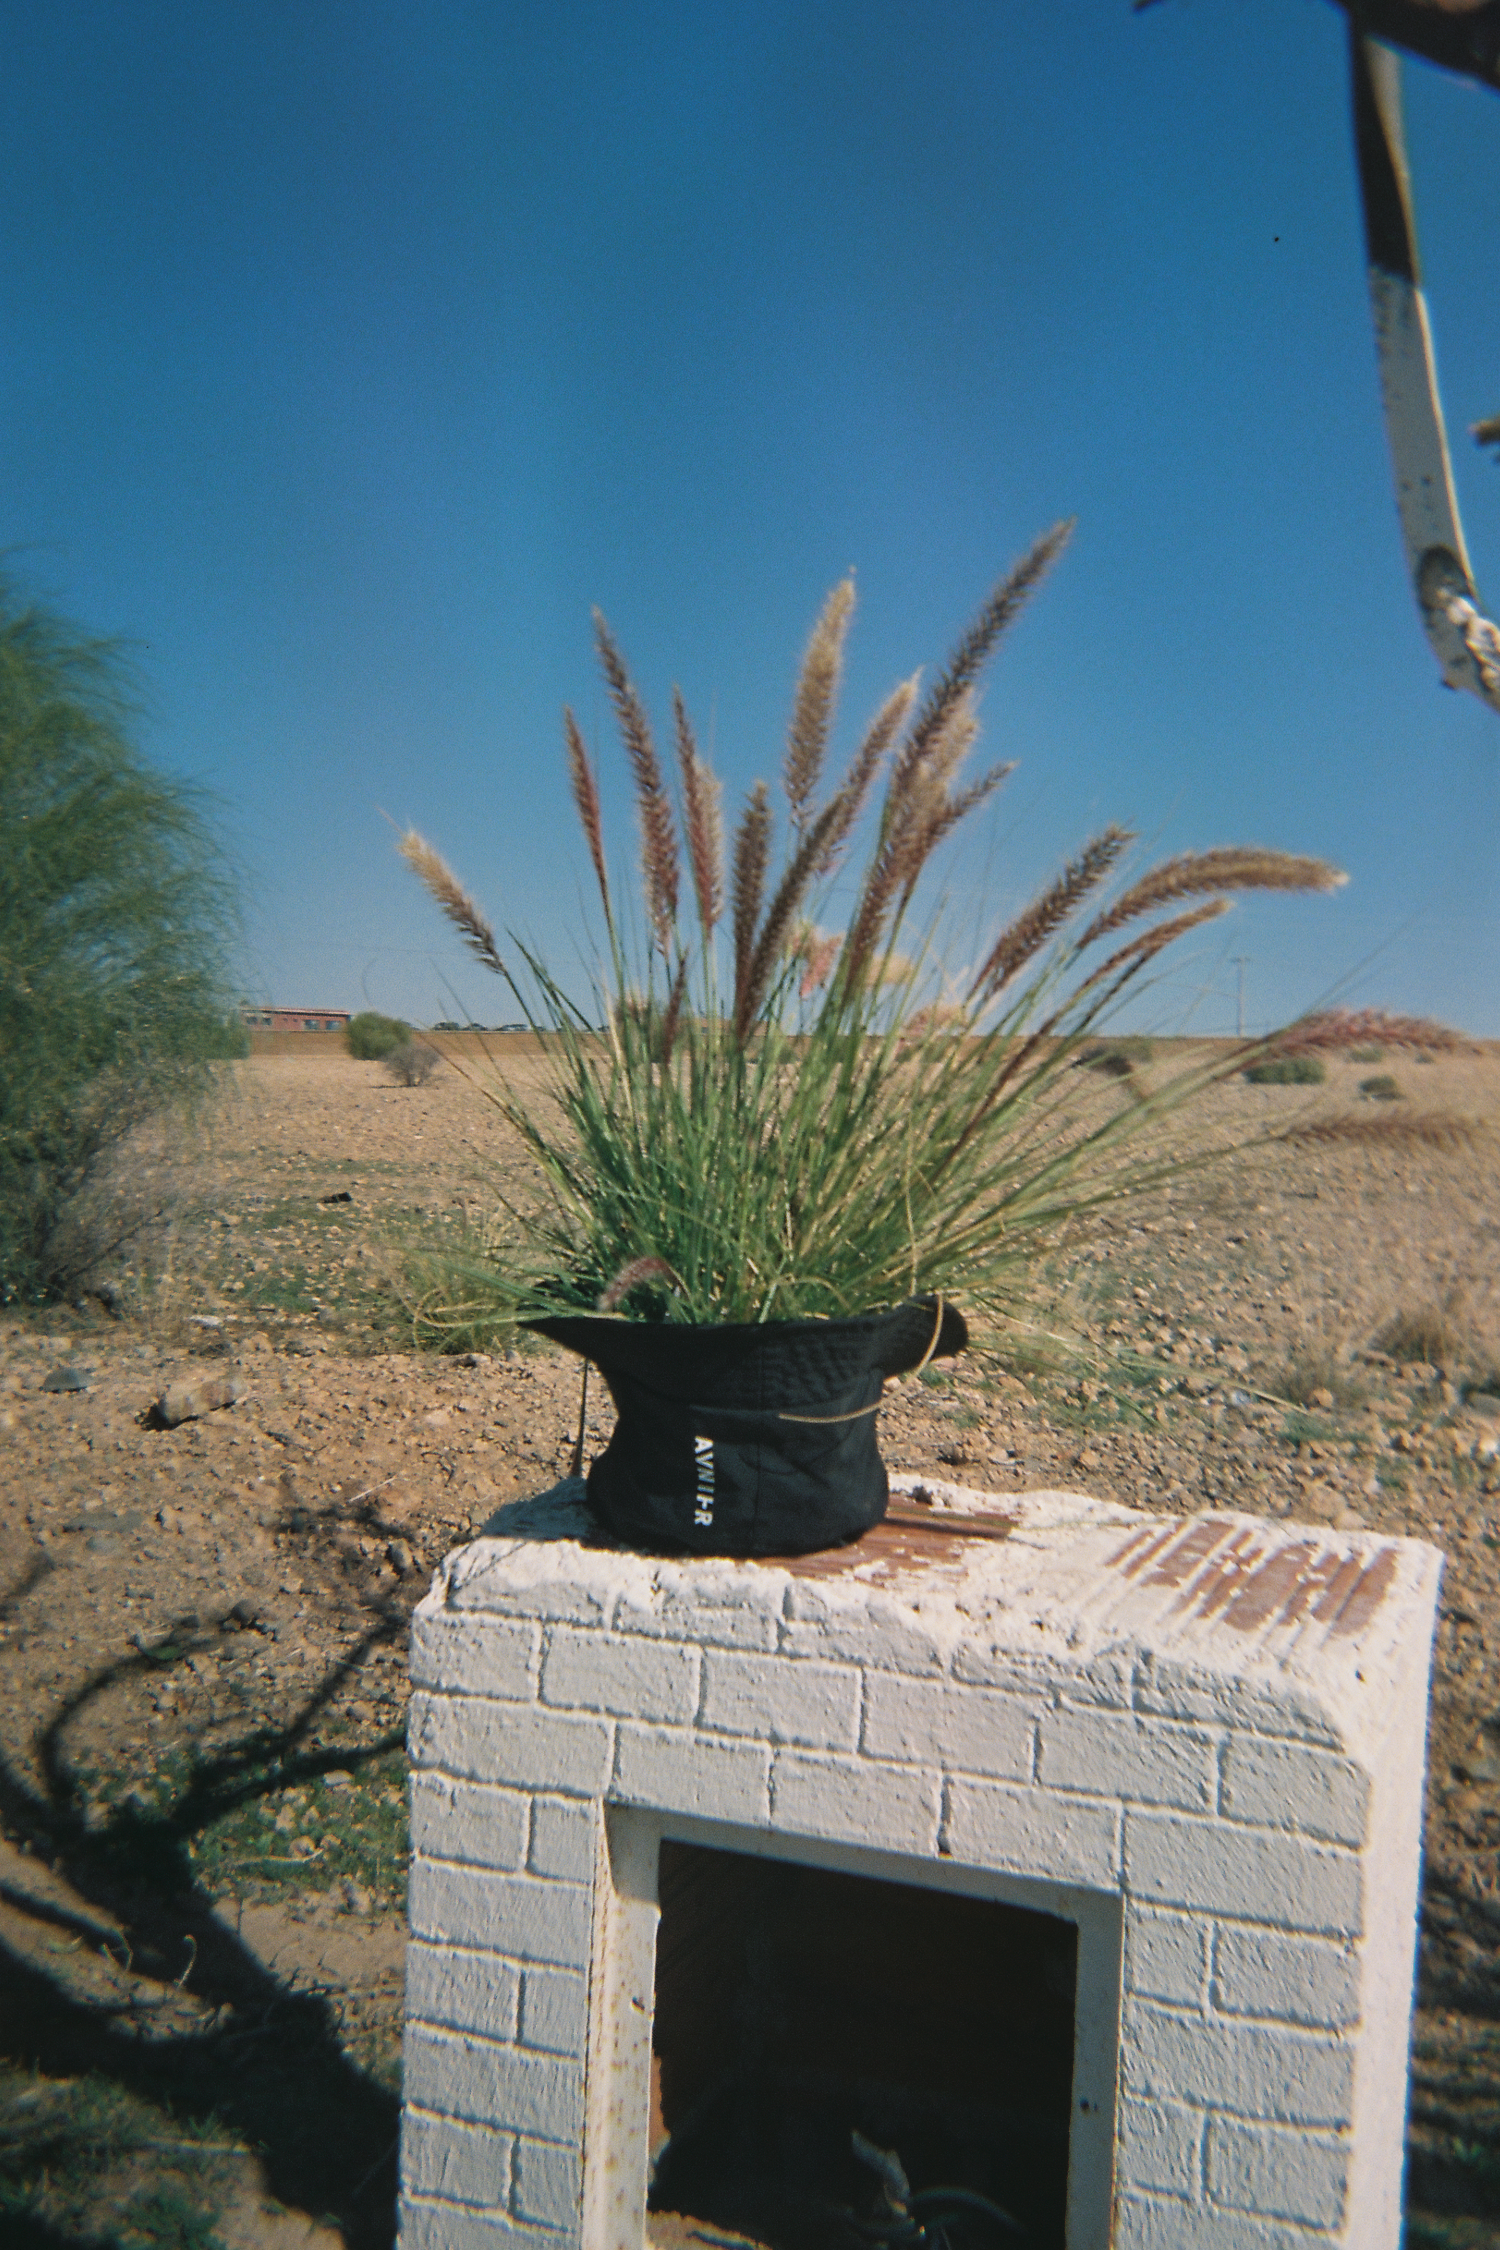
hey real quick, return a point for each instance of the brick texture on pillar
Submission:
(1214, 1724)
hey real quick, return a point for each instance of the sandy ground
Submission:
(235, 1589)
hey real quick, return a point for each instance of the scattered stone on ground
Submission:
(174, 1586)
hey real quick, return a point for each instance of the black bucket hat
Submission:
(753, 1439)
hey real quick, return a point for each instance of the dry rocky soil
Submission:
(202, 1626)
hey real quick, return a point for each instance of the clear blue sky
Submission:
(349, 353)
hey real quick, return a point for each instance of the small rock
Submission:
(69, 1377)
(184, 1402)
(354, 1895)
(1088, 1460)
(244, 1612)
(1321, 1397)
(1480, 1760)
(400, 1557)
(338, 1777)
(1349, 1519)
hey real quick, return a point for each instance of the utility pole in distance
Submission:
(1239, 960)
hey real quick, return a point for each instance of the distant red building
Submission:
(296, 1019)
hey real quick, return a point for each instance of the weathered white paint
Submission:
(1200, 1740)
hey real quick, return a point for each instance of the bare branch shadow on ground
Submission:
(258, 2056)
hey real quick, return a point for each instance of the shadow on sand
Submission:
(255, 2056)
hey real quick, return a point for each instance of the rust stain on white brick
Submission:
(1200, 1737)
(1251, 1576)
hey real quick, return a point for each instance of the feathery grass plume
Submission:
(752, 848)
(791, 1155)
(1334, 1028)
(658, 834)
(780, 921)
(672, 1013)
(819, 953)
(895, 859)
(863, 767)
(700, 803)
(434, 872)
(1134, 955)
(1024, 938)
(630, 1277)
(1191, 874)
(939, 814)
(975, 647)
(586, 798)
(817, 693)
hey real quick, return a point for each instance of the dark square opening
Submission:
(796, 2006)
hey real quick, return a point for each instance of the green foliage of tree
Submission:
(117, 913)
(372, 1036)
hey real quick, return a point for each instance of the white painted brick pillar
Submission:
(1201, 1741)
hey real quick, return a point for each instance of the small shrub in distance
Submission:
(412, 1063)
(372, 1037)
(1117, 1058)
(1381, 1088)
(1287, 1070)
(1420, 1334)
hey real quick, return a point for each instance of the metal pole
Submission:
(1239, 1014)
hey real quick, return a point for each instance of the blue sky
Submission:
(349, 354)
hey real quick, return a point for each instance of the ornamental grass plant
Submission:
(783, 1120)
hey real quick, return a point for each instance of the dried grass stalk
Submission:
(819, 954)
(752, 847)
(703, 820)
(672, 1015)
(659, 862)
(1133, 957)
(1024, 938)
(974, 649)
(1235, 868)
(586, 798)
(462, 911)
(630, 1277)
(1335, 1028)
(780, 921)
(1439, 1130)
(812, 710)
(863, 767)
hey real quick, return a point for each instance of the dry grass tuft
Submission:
(413, 1063)
(1421, 1334)
(1318, 1374)
(1439, 1129)
(1347, 1030)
